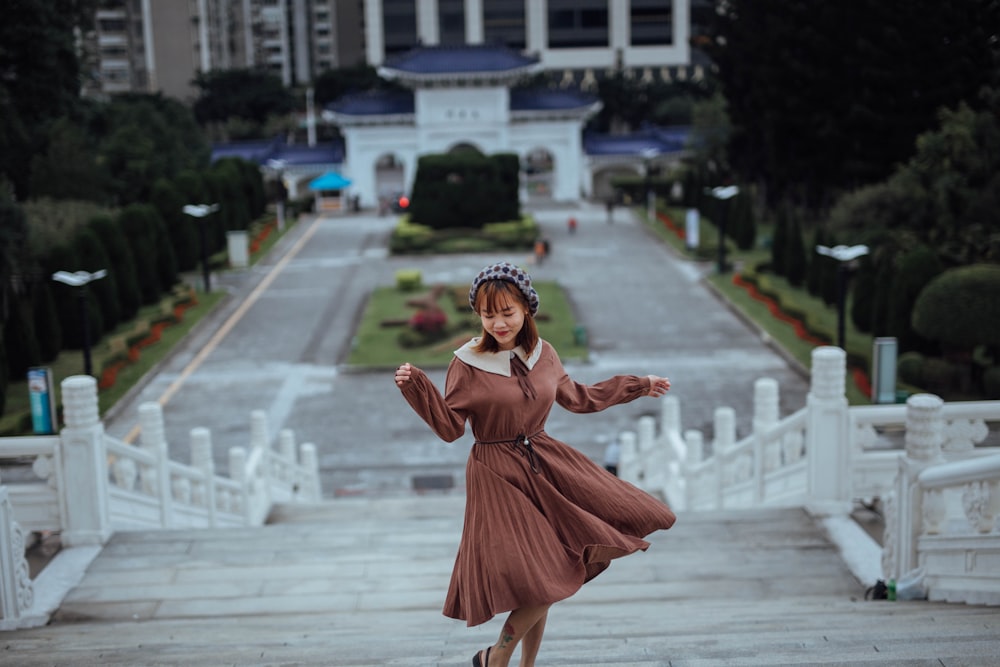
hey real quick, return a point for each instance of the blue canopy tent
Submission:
(328, 190)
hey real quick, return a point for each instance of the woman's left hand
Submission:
(658, 386)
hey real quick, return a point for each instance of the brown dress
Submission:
(541, 519)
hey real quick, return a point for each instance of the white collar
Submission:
(496, 362)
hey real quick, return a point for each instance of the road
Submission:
(279, 344)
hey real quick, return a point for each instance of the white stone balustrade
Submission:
(925, 460)
(92, 485)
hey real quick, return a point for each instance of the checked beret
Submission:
(510, 273)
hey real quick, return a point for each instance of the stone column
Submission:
(924, 428)
(827, 434)
(84, 465)
(725, 438)
(154, 440)
(201, 458)
(765, 415)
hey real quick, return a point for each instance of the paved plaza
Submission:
(280, 343)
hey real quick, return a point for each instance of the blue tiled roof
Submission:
(464, 59)
(540, 99)
(374, 103)
(663, 140)
(260, 152)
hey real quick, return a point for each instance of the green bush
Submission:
(961, 307)
(910, 368)
(464, 189)
(409, 280)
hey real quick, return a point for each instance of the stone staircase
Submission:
(360, 581)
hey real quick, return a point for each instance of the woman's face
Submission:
(505, 324)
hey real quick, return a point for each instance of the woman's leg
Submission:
(519, 623)
(533, 641)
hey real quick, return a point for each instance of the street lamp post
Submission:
(844, 256)
(648, 155)
(199, 211)
(722, 194)
(81, 279)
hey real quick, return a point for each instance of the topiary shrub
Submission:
(961, 307)
(910, 368)
(409, 280)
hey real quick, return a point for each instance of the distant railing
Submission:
(88, 485)
(933, 464)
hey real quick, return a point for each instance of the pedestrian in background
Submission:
(541, 519)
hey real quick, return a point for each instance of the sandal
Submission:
(476, 662)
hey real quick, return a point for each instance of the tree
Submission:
(39, 78)
(814, 112)
(145, 138)
(914, 270)
(253, 95)
(332, 84)
(68, 168)
(795, 254)
(121, 263)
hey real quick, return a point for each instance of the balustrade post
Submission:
(646, 431)
(827, 434)
(238, 473)
(260, 442)
(310, 461)
(628, 458)
(904, 523)
(725, 438)
(201, 458)
(695, 453)
(84, 465)
(153, 439)
(765, 415)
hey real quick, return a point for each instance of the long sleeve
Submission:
(445, 419)
(577, 397)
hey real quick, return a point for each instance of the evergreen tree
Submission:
(121, 263)
(94, 258)
(780, 241)
(795, 254)
(48, 331)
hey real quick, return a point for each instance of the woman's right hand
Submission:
(403, 374)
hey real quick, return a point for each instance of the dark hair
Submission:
(491, 296)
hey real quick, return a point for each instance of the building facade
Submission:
(159, 46)
(580, 38)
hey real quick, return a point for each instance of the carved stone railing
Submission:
(87, 484)
(933, 464)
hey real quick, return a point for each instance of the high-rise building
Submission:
(161, 45)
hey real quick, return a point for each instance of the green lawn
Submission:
(376, 345)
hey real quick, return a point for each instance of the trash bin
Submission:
(580, 334)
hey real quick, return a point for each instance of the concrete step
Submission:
(360, 581)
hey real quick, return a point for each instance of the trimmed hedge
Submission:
(961, 307)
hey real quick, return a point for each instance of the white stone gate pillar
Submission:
(827, 434)
(904, 511)
(84, 465)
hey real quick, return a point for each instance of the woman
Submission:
(541, 519)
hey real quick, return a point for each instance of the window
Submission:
(399, 20)
(578, 23)
(451, 21)
(651, 22)
(504, 23)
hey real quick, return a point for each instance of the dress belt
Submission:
(520, 444)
